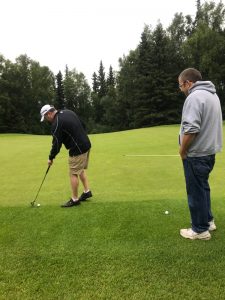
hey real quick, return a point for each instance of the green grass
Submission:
(120, 244)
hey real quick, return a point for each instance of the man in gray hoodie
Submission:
(200, 139)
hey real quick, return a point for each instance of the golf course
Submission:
(120, 244)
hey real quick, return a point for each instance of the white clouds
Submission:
(80, 33)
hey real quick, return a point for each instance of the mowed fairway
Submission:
(118, 245)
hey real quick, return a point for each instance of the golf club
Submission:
(33, 202)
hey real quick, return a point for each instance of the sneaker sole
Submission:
(204, 238)
(212, 229)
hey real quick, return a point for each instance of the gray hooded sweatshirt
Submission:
(202, 115)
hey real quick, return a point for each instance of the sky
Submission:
(81, 33)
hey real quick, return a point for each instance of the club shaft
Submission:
(41, 185)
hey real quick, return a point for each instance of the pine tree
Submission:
(60, 99)
(99, 91)
(111, 81)
(95, 85)
(110, 103)
(156, 80)
(126, 90)
(102, 81)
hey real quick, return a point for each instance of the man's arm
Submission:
(56, 146)
(56, 140)
(186, 143)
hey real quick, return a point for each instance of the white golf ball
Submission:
(166, 212)
(38, 204)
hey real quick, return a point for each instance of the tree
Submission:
(5, 102)
(110, 103)
(60, 99)
(43, 91)
(95, 85)
(126, 90)
(111, 81)
(211, 14)
(101, 81)
(156, 78)
(180, 29)
(104, 100)
(77, 94)
(25, 86)
(100, 90)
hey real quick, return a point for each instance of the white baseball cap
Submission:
(44, 110)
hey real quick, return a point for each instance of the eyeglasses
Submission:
(180, 85)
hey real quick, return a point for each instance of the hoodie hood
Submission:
(203, 85)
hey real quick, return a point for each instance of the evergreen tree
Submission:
(70, 91)
(153, 88)
(110, 103)
(126, 90)
(95, 85)
(102, 81)
(111, 81)
(60, 99)
(144, 91)
(99, 91)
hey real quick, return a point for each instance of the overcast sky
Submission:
(80, 33)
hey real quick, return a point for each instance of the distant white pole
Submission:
(152, 155)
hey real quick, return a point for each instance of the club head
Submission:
(34, 204)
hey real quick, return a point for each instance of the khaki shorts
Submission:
(78, 163)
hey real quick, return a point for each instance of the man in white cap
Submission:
(67, 129)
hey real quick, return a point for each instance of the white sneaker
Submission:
(212, 225)
(190, 234)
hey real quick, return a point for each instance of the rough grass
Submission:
(120, 244)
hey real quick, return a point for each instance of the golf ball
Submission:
(38, 204)
(166, 212)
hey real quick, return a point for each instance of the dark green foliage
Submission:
(104, 101)
(126, 82)
(95, 83)
(99, 91)
(149, 85)
(60, 98)
(111, 81)
(142, 93)
(77, 94)
(205, 48)
(147, 90)
(24, 87)
(102, 91)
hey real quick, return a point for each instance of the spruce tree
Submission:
(60, 99)
(126, 90)
(111, 81)
(99, 91)
(102, 81)
(95, 85)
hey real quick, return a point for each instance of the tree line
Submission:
(143, 92)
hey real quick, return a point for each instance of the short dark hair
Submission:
(190, 74)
